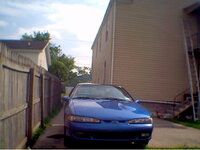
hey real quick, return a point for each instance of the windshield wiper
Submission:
(112, 98)
(81, 97)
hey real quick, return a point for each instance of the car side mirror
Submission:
(65, 98)
(136, 100)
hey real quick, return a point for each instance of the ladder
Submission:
(192, 69)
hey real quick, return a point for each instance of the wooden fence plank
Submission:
(12, 112)
(23, 106)
(49, 94)
(30, 105)
(42, 99)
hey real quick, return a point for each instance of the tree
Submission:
(83, 70)
(68, 61)
(37, 36)
(62, 65)
(55, 51)
(81, 75)
(59, 69)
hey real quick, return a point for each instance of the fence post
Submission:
(30, 105)
(42, 99)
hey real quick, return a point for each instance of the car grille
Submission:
(109, 135)
(115, 135)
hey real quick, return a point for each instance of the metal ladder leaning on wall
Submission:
(192, 69)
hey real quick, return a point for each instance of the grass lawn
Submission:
(191, 124)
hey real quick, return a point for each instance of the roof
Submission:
(24, 44)
(97, 84)
(106, 16)
(193, 9)
(104, 20)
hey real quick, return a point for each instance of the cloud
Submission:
(81, 20)
(71, 23)
(3, 23)
(17, 8)
(80, 50)
(83, 61)
(8, 11)
(99, 2)
(55, 34)
(82, 53)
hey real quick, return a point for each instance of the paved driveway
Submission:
(165, 135)
(168, 134)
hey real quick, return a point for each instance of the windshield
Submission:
(100, 92)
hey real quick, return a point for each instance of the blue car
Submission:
(105, 113)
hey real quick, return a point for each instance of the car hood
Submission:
(109, 109)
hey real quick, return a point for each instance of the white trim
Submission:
(113, 42)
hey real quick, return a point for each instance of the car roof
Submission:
(95, 84)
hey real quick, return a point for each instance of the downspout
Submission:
(113, 41)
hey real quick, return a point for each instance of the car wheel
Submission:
(141, 145)
(68, 141)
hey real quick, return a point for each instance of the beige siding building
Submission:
(37, 51)
(140, 46)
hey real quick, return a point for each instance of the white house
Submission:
(37, 51)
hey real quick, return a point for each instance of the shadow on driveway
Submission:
(165, 135)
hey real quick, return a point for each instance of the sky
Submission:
(73, 24)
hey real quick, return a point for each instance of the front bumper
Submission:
(109, 131)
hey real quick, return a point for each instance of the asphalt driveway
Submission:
(165, 135)
(168, 134)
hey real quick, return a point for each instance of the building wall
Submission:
(42, 59)
(102, 51)
(37, 56)
(149, 58)
(32, 56)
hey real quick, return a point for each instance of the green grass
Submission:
(191, 124)
(1, 143)
(41, 129)
(36, 135)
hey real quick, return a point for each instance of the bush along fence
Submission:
(28, 94)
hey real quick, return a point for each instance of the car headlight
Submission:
(141, 121)
(82, 119)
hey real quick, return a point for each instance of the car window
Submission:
(101, 91)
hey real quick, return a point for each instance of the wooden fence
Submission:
(28, 94)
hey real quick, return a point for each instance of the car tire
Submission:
(141, 145)
(66, 138)
(68, 141)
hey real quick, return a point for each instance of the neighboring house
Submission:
(37, 51)
(140, 46)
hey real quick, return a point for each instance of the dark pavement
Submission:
(166, 134)
(53, 138)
